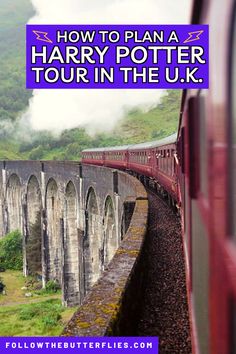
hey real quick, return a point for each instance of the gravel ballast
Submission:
(164, 309)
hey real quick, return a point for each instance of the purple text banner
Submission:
(117, 56)
(79, 345)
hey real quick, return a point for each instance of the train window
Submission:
(157, 157)
(160, 159)
(167, 161)
(173, 162)
(164, 161)
(233, 130)
(203, 144)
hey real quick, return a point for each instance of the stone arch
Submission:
(92, 241)
(34, 229)
(72, 248)
(54, 230)
(127, 213)
(110, 241)
(13, 204)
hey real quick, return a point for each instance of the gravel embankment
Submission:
(164, 311)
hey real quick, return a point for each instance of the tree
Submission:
(11, 255)
(33, 247)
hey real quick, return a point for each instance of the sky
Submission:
(97, 110)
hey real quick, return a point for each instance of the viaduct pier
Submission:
(78, 216)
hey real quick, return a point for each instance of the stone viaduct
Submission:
(73, 216)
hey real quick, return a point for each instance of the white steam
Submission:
(98, 110)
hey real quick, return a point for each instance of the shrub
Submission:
(52, 286)
(33, 247)
(37, 153)
(28, 313)
(2, 268)
(11, 256)
(2, 286)
(51, 320)
(32, 283)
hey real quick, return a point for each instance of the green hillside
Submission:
(135, 127)
(13, 95)
(159, 122)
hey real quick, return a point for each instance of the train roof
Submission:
(111, 148)
(152, 144)
(148, 145)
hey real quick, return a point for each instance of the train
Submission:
(196, 170)
(156, 160)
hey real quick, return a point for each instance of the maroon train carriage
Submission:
(93, 156)
(115, 157)
(207, 151)
(158, 161)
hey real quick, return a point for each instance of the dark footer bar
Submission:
(88, 345)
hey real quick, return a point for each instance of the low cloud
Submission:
(97, 110)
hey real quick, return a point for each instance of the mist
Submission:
(97, 110)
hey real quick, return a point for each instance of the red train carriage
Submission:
(206, 149)
(111, 157)
(116, 157)
(140, 158)
(157, 160)
(93, 156)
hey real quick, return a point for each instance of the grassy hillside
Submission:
(135, 127)
(155, 124)
(14, 14)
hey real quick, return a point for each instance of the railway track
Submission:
(164, 310)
